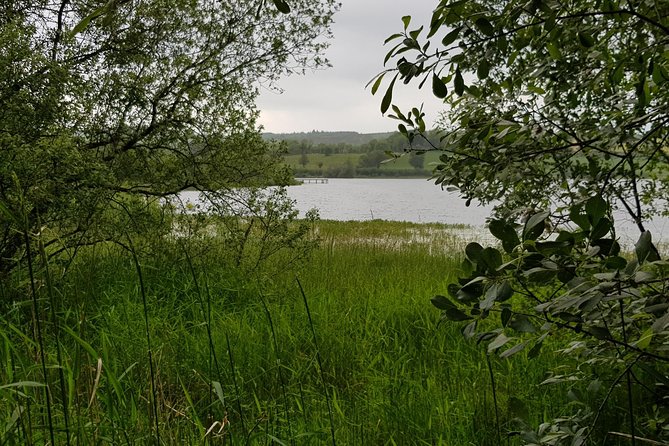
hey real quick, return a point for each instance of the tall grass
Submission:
(381, 372)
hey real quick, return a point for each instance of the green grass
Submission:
(314, 160)
(329, 165)
(390, 374)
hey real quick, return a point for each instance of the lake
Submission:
(414, 200)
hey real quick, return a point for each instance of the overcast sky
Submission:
(336, 99)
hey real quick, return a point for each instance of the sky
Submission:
(335, 99)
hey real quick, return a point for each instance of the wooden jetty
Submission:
(312, 180)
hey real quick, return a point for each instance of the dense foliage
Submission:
(560, 96)
(104, 105)
(557, 113)
(109, 112)
(350, 154)
(330, 143)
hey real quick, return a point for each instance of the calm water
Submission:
(414, 200)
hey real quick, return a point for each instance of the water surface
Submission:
(418, 201)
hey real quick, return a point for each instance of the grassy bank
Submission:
(237, 358)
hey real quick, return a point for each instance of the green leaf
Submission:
(388, 97)
(377, 83)
(596, 208)
(506, 316)
(406, 20)
(458, 83)
(553, 50)
(411, 43)
(601, 333)
(470, 292)
(442, 302)
(498, 292)
(451, 37)
(569, 317)
(535, 89)
(484, 25)
(22, 384)
(469, 330)
(499, 341)
(391, 53)
(522, 324)
(504, 292)
(644, 94)
(276, 440)
(577, 215)
(643, 246)
(644, 341)
(393, 37)
(219, 392)
(483, 69)
(86, 346)
(540, 274)
(83, 24)
(456, 315)
(513, 350)
(549, 23)
(644, 276)
(535, 225)
(435, 23)
(282, 6)
(467, 266)
(615, 262)
(439, 87)
(473, 251)
(661, 323)
(659, 74)
(535, 350)
(552, 247)
(415, 33)
(600, 230)
(586, 39)
(492, 258)
(503, 231)
(618, 73)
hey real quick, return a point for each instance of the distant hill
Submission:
(318, 137)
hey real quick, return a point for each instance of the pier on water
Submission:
(312, 180)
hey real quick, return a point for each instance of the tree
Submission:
(372, 159)
(304, 159)
(557, 113)
(101, 102)
(541, 94)
(417, 161)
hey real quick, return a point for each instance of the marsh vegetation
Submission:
(235, 358)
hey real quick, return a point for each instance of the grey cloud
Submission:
(335, 99)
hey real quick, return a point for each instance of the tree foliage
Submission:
(104, 101)
(567, 97)
(556, 113)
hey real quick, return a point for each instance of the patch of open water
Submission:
(417, 201)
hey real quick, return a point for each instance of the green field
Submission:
(247, 359)
(319, 164)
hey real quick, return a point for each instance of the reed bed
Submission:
(183, 348)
